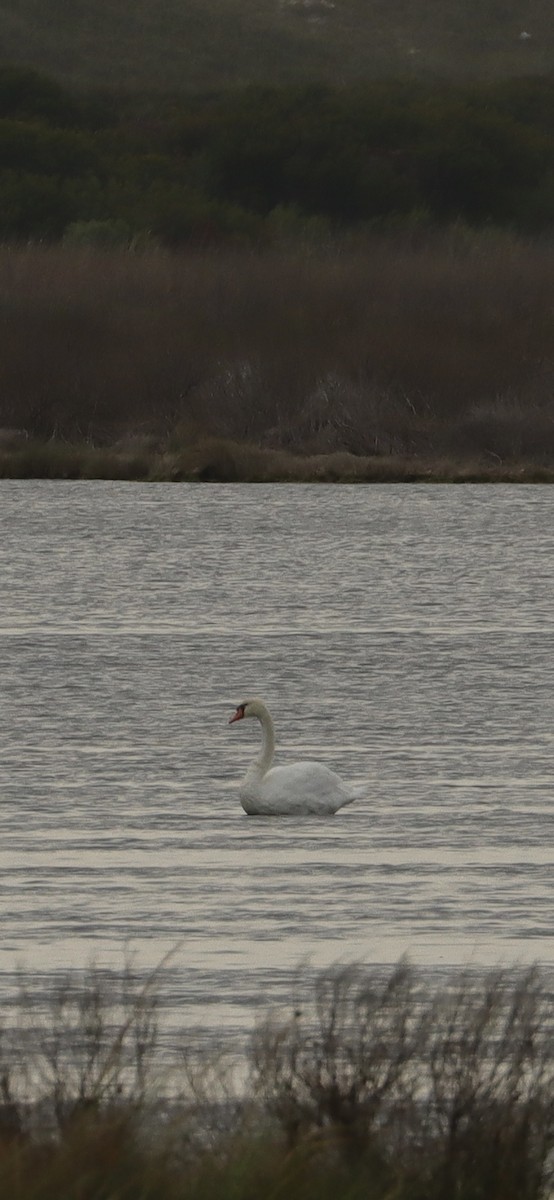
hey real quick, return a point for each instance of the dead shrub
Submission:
(340, 415)
(345, 1062)
(88, 1051)
(505, 430)
(454, 1087)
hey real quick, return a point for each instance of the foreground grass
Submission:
(376, 1085)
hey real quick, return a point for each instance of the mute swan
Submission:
(301, 789)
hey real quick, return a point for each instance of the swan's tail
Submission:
(356, 791)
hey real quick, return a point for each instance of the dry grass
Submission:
(427, 354)
(375, 1085)
(218, 460)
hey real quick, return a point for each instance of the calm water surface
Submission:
(402, 634)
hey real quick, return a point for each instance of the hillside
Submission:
(193, 45)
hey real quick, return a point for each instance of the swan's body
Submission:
(301, 789)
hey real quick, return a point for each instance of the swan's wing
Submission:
(307, 787)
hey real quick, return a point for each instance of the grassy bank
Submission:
(214, 460)
(375, 1085)
(427, 356)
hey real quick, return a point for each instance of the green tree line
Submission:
(257, 163)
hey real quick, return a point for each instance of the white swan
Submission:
(301, 789)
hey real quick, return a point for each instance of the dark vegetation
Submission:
(385, 359)
(190, 45)
(211, 286)
(374, 1086)
(256, 165)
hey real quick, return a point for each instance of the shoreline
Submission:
(217, 460)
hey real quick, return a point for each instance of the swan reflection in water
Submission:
(301, 789)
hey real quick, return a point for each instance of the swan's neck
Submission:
(265, 758)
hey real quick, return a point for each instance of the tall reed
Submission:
(422, 349)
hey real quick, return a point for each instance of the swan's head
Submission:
(248, 708)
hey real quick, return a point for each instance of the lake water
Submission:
(402, 634)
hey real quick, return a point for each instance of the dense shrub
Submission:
(217, 169)
(27, 94)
